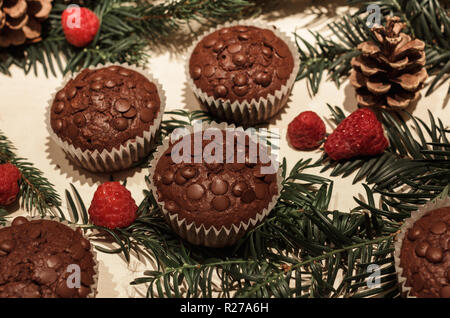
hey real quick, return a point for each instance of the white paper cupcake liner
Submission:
(247, 113)
(197, 233)
(409, 222)
(74, 227)
(128, 154)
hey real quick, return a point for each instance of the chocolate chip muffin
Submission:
(243, 73)
(223, 198)
(106, 118)
(39, 258)
(425, 255)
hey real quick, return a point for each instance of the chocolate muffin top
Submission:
(241, 63)
(218, 193)
(35, 257)
(104, 108)
(425, 255)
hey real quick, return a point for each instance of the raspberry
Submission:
(306, 131)
(9, 185)
(80, 25)
(112, 206)
(360, 134)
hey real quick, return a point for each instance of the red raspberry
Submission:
(9, 185)
(80, 25)
(112, 206)
(360, 134)
(306, 131)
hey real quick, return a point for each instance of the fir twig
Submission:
(36, 192)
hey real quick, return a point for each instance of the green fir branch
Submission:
(36, 191)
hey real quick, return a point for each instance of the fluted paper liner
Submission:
(128, 154)
(247, 112)
(409, 222)
(74, 227)
(197, 233)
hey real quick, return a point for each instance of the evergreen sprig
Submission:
(126, 32)
(427, 20)
(36, 191)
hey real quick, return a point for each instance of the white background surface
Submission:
(24, 98)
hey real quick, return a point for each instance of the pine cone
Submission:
(20, 20)
(392, 73)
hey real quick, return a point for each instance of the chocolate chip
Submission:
(434, 254)
(179, 179)
(195, 191)
(421, 249)
(209, 70)
(110, 83)
(261, 190)
(234, 48)
(124, 72)
(219, 186)
(131, 113)
(45, 276)
(240, 79)
(131, 84)
(96, 86)
(282, 49)
(209, 42)
(71, 92)
(84, 291)
(239, 59)
(85, 243)
(167, 177)
(153, 105)
(122, 105)
(146, 115)
(19, 221)
(263, 79)
(248, 196)
(57, 125)
(61, 95)
(239, 188)
(267, 51)
(97, 78)
(414, 233)
(79, 120)
(269, 178)
(283, 72)
(189, 172)
(221, 203)
(241, 90)
(438, 228)
(120, 123)
(34, 232)
(171, 206)
(196, 72)
(54, 261)
(218, 46)
(243, 37)
(59, 107)
(7, 246)
(220, 91)
(63, 290)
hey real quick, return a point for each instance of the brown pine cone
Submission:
(20, 20)
(390, 73)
